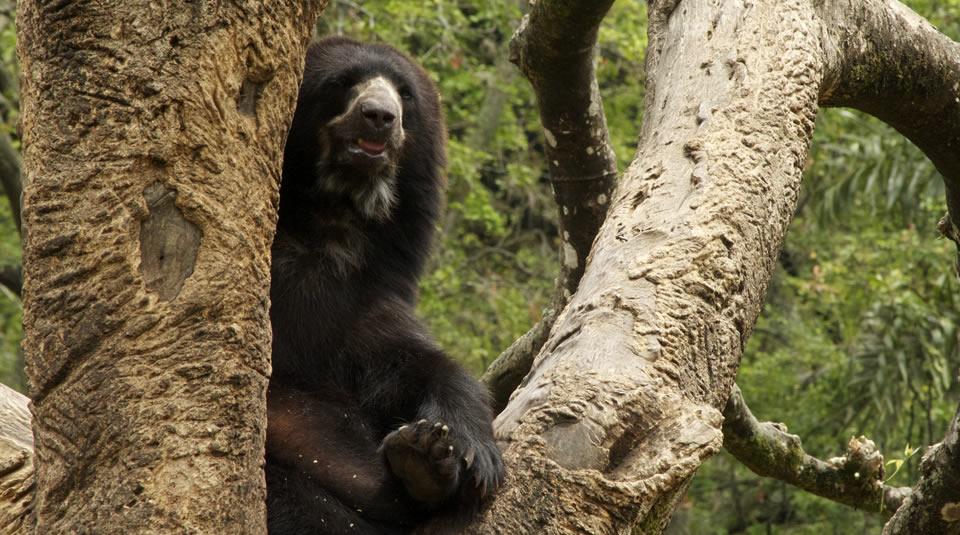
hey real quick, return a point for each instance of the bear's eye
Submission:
(340, 81)
(406, 94)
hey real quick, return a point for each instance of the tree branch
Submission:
(12, 278)
(934, 505)
(554, 47)
(856, 479)
(888, 78)
(123, 328)
(885, 60)
(623, 402)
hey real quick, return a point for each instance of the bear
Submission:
(371, 428)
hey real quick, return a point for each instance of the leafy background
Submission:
(859, 332)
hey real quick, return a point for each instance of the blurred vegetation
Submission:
(859, 334)
(11, 312)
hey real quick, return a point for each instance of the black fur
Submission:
(351, 362)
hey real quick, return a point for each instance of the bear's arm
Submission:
(325, 440)
(410, 377)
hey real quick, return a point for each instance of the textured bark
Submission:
(623, 403)
(856, 479)
(876, 56)
(934, 505)
(153, 136)
(16, 463)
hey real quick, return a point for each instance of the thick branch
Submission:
(150, 208)
(934, 506)
(856, 479)
(623, 402)
(888, 61)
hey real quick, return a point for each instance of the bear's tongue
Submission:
(371, 147)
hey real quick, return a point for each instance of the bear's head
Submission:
(367, 127)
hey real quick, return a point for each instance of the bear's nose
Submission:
(378, 113)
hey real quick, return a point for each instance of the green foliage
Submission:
(11, 313)
(892, 175)
(864, 320)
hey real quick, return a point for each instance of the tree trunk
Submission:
(623, 403)
(153, 137)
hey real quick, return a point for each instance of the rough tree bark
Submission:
(620, 406)
(16, 463)
(623, 402)
(153, 136)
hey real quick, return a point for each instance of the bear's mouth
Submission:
(365, 149)
(371, 147)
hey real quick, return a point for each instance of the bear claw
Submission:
(424, 457)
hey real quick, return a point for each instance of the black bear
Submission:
(371, 428)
